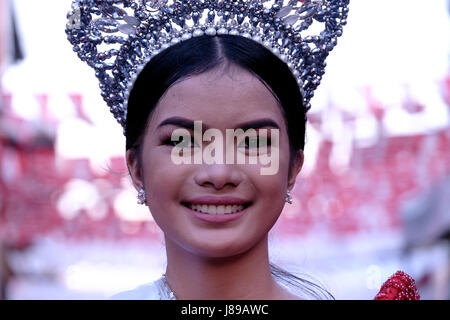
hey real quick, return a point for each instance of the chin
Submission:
(222, 248)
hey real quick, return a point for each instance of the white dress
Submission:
(155, 290)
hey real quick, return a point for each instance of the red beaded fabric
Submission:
(399, 286)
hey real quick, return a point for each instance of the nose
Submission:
(218, 176)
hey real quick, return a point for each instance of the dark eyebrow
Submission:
(180, 122)
(256, 124)
(189, 124)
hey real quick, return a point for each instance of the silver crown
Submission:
(117, 38)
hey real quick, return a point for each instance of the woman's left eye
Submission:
(254, 142)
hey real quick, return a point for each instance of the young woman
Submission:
(206, 96)
(226, 82)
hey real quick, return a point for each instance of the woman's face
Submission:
(220, 99)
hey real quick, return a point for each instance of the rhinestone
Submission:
(291, 19)
(127, 29)
(186, 36)
(283, 12)
(197, 33)
(131, 20)
(113, 12)
(211, 31)
(107, 25)
(222, 31)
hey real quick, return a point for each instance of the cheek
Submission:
(163, 179)
(271, 189)
(270, 201)
(275, 182)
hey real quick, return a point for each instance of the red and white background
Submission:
(373, 196)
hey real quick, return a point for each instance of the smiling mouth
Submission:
(216, 209)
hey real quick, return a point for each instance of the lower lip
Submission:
(216, 218)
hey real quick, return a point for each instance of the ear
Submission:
(295, 169)
(134, 168)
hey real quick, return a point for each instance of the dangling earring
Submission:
(288, 197)
(141, 197)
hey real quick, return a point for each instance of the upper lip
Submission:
(211, 200)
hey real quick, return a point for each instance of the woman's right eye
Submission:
(181, 142)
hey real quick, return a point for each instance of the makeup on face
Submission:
(216, 207)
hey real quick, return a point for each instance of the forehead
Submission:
(220, 98)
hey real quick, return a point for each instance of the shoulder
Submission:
(148, 291)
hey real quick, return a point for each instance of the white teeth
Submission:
(213, 209)
(220, 210)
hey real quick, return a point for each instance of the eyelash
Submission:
(168, 141)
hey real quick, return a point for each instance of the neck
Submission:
(244, 276)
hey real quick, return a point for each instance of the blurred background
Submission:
(373, 198)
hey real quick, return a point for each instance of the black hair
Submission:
(201, 54)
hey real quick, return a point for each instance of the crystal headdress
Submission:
(118, 38)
